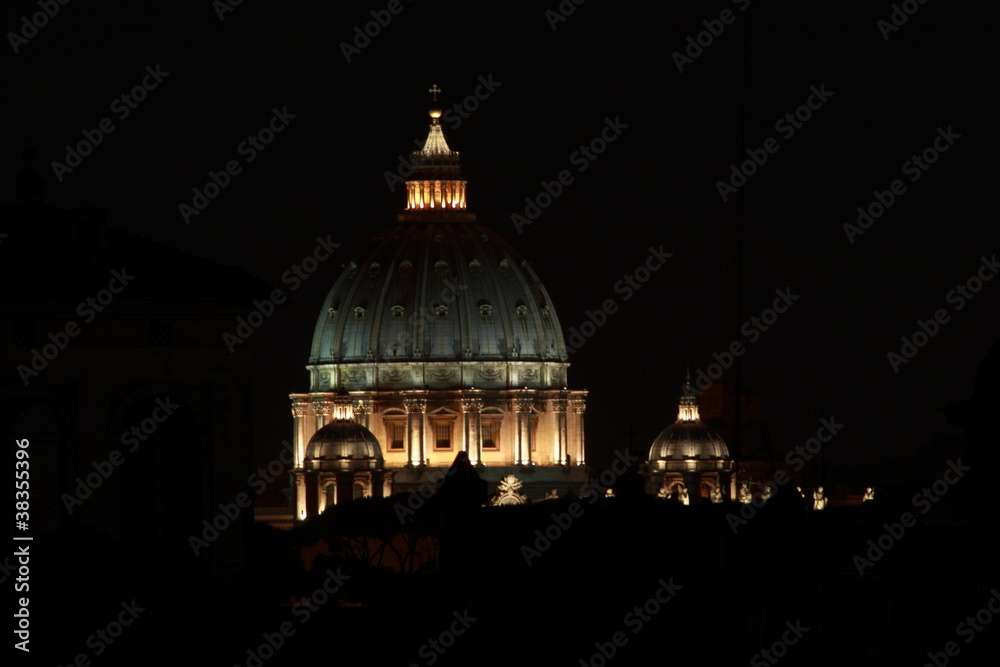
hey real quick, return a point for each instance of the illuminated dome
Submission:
(688, 461)
(437, 341)
(436, 290)
(688, 438)
(437, 287)
(692, 440)
(343, 442)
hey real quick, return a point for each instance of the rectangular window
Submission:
(491, 433)
(396, 431)
(442, 434)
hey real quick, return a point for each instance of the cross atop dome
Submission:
(434, 90)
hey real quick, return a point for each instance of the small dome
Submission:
(343, 441)
(688, 440)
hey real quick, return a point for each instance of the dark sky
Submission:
(655, 184)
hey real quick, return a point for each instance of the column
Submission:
(362, 412)
(321, 497)
(322, 409)
(416, 409)
(300, 496)
(522, 449)
(580, 407)
(472, 444)
(299, 410)
(559, 453)
(726, 483)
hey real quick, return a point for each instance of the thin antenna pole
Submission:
(739, 244)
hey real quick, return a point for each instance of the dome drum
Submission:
(333, 465)
(391, 376)
(690, 465)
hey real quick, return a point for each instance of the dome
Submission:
(688, 438)
(343, 442)
(438, 300)
(437, 291)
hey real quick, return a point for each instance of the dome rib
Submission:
(504, 335)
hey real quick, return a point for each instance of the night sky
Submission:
(656, 184)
